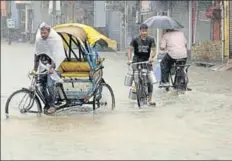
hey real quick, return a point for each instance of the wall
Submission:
(179, 12)
(99, 14)
(15, 14)
(3, 9)
(203, 26)
(114, 26)
(36, 14)
(132, 27)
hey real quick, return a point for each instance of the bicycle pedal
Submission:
(23, 110)
(60, 104)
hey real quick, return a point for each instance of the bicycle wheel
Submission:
(104, 98)
(24, 105)
(145, 93)
(138, 93)
(180, 82)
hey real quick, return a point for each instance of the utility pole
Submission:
(54, 13)
(73, 9)
(222, 30)
(157, 37)
(58, 12)
(190, 30)
(51, 11)
(125, 21)
(226, 29)
(168, 8)
(138, 13)
(9, 8)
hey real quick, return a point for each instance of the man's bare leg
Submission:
(52, 95)
(150, 91)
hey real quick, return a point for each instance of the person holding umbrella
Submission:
(175, 43)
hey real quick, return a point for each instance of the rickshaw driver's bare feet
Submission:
(51, 110)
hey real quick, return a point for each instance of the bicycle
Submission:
(140, 73)
(178, 76)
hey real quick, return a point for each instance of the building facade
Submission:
(3, 18)
(179, 10)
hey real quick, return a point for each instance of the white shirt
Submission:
(175, 44)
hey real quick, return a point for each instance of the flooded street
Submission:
(197, 125)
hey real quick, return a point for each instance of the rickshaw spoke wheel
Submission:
(104, 99)
(21, 102)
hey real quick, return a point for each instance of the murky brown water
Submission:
(197, 125)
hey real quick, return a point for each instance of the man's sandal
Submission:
(152, 103)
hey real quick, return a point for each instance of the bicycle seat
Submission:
(181, 60)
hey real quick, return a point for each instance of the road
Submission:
(196, 125)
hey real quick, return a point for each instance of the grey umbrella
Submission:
(163, 22)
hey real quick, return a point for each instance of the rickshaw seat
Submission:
(74, 69)
(74, 66)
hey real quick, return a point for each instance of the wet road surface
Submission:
(197, 125)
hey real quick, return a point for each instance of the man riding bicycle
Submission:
(143, 47)
(48, 47)
(175, 43)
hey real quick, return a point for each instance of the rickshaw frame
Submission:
(85, 50)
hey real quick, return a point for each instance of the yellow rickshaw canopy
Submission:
(74, 31)
(84, 32)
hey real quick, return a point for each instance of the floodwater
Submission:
(197, 125)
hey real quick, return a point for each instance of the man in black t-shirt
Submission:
(143, 47)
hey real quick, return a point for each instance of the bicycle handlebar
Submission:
(36, 73)
(143, 62)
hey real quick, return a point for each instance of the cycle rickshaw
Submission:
(82, 65)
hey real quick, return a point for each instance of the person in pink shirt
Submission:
(175, 43)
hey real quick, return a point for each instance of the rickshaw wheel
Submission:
(98, 98)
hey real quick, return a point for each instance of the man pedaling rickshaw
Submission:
(49, 54)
